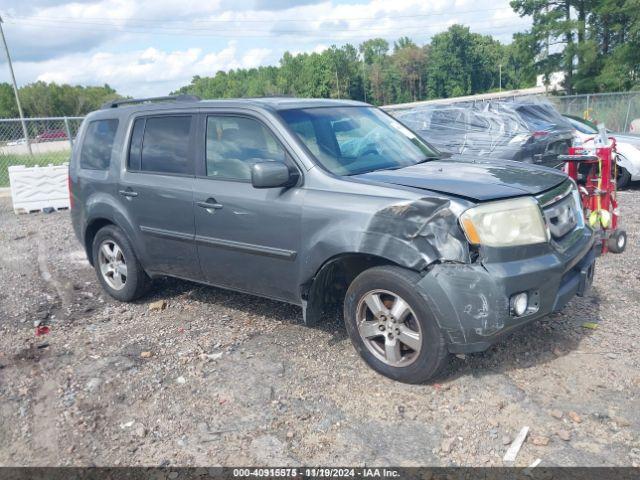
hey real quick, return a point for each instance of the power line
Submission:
(318, 35)
(104, 23)
(246, 33)
(279, 20)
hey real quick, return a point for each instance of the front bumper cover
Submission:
(471, 301)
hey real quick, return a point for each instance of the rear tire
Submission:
(117, 267)
(402, 316)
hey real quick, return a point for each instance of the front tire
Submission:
(117, 267)
(392, 327)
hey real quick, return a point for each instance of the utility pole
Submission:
(500, 87)
(15, 89)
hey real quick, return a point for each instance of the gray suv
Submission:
(322, 203)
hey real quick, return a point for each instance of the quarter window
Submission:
(98, 144)
(135, 149)
(161, 145)
(234, 144)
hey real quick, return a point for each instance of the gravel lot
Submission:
(220, 378)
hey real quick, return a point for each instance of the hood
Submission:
(476, 179)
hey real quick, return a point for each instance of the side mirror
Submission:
(272, 175)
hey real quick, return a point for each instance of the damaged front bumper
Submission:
(471, 302)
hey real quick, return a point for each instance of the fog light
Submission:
(519, 303)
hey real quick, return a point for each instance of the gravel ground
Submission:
(220, 378)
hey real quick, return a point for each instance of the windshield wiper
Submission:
(440, 156)
(362, 172)
(430, 158)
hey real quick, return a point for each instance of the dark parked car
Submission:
(321, 203)
(527, 131)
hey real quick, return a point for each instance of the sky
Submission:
(153, 47)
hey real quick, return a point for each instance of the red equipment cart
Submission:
(596, 179)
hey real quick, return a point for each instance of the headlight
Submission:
(505, 223)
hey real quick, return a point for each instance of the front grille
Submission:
(562, 210)
(562, 216)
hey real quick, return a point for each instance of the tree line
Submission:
(456, 62)
(42, 99)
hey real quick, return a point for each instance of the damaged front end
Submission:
(466, 299)
(475, 291)
(507, 286)
(473, 303)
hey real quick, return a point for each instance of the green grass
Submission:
(40, 159)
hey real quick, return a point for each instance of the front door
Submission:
(247, 239)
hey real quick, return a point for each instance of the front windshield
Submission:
(353, 140)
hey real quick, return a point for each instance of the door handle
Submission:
(210, 204)
(128, 193)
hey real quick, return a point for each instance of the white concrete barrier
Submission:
(36, 188)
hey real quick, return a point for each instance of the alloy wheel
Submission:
(113, 266)
(389, 328)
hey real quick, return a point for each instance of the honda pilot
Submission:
(322, 203)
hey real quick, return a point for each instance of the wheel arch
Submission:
(102, 210)
(328, 286)
(90, 232)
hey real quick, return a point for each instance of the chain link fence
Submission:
(48, 142)
(620, 111)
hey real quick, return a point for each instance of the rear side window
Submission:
(98, 144)
(161, 145)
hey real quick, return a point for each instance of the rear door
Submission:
(248, 239)
(156, 187)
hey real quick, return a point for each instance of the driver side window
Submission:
(234, 144)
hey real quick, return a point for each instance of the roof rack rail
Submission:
(168, 98)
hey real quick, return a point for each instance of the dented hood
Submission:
(479, 180)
